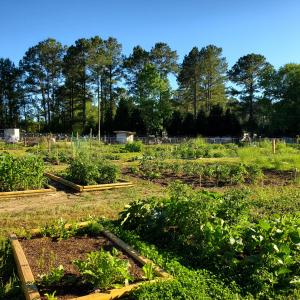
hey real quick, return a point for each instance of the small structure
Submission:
(124, 137)
(12, 135)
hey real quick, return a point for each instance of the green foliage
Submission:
(51, 296)
(148, 271)
(10, 287)
(84, 170)
(103, 269)
(21, 173)
(59, 230)
(214, 231)
(54, 276)
(186, 284)
(220, 174)
(136, 146)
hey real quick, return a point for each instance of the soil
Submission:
(45, 253)
(271, 177)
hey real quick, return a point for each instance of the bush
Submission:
(136, 146)
(21, 173)
(84, 170)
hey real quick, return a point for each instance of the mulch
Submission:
(45, 253)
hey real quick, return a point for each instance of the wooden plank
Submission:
(24, 271)
(77, 187)
(135, 254)
(100, 188)
(108, 184)
(112, 294)
(97, 187)
(50, 189)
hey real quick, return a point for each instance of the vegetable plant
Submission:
(84, 170)
(21, 173)
(103, 269)
(53, 277)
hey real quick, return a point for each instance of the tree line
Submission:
(92, 84)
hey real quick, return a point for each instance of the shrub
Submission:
(84, 170)
(21, 173)
(136, 146)
(103, 269)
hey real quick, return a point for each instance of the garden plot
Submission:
(87, 174)
(73, 262)
(22, 176)
(201, 174)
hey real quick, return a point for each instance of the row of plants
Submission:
(192, 149)
(218, 173)
(214, 231)
(21, 173)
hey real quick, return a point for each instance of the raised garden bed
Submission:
(48, 189)
(40, 254)
(85, 188)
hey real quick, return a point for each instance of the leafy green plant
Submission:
(136, 146)
(51, 296)
(59, 230)
(21, 173)
(103, 269)
(148, 271)
(53, 277)
(262, 257)
(87, 171)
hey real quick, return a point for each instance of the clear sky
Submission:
(268, 27)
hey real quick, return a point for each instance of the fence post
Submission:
(274, 146)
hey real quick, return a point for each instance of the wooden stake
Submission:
(274, 146)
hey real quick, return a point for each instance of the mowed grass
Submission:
(20, 214)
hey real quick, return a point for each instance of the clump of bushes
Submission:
(213, 231)
(21, 173)
(136, 146)
(86, 171)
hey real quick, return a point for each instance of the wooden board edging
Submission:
(26, 277)
(49, 189)
(85, 188)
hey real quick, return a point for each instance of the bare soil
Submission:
(271, 177)
(46, 253)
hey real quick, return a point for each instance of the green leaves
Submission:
(84, 170)
(21, 173)
(53, 277)
(103, 269)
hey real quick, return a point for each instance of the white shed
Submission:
(12, 135)
(124, 137)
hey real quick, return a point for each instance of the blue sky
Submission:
(268, 27)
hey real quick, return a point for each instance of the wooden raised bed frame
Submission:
(31, 291)
(86, 188)
(48, 189)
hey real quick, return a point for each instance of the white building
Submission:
(124, 137)
(12, 135)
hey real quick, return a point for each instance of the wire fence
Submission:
(32, 138)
